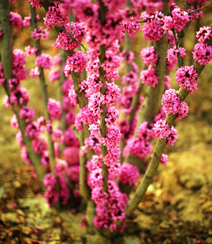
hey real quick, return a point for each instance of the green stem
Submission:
(161, 143)
(6, 60)
(102, 78)
(63, 125)
(44, 93)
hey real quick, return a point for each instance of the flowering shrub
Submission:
(105, 131)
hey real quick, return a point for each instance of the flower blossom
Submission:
(186, 77)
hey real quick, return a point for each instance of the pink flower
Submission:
(14, 122)
(34, 72)
(202, 53)
(64, 39)
(77, 62)
(186, 77)
(148, 77)
(70, 138)
(54, 109)
(54, 18)
(180, 18)
(44, 61)
(25, 156)
(36, 3)
(19, 69)
(27, 113)
(152, 29)
(138, 147)
(30, 50)
(112, 138)
(71, 155)
(149, 55)
(39, 144)
(32, 130)
(20, 95)
(164, 159)
(40, 33)
(57, 135)
(173, 104)
(19, 138)
(73, 173)
(203, 34)
(128, 174)
(54, 75)
(161, 130)
(16, 20)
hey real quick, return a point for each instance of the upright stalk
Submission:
(103, 128)
(6, 60)
(44, 93)
(161, 143)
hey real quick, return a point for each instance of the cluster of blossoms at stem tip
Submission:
(161, 130)
(186, 77)
(153, 27)
(203, 52)
(177, 20)
(172, 104)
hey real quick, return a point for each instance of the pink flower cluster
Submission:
(164, 159)
(172, 56)
(148, 77)
(173, 104)
(65, 41)
(149, 55)
(44, 61)
(161, 130)
(51, 195)
(16, 20)
(54, 109)
(128, 174)
(36, 3)
(140, 146)
(177, 20)
(2, 79)
(153, 27)
(130, 81)
(131, 26)
(54, 18)
(19, 69)
(40, 33)
(186, 77)
(77, 62)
